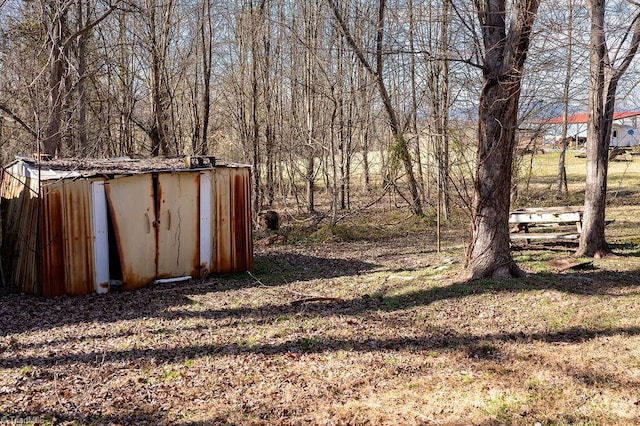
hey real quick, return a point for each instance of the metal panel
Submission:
(131, 205)
(223, 253)
(242, 254)
(177, 228)
(20, 220)
(52, 241)
(206, 240)
(77, 227)
(100, 237)
(67, 238)
(233, 247)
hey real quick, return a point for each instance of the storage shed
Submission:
(87, 226)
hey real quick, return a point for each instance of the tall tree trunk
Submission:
(602, 95)
(311, 26)
(83, 20)
(592, 239)
(414, 97)
(269, 95)
(489, 254)
(160, 31)
(443, 114)
(57, 71)
(255, 124)
(207, 52)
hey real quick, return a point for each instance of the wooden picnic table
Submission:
(565, 221)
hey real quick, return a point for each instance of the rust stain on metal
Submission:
(240, 222)
(248, 218)
(157, 194)
(78, 242)
(222, 225)
(231, 227)
(66, 239)
(131, 205)
(178, 245)
(51, 243)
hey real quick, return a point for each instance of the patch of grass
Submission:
(170, 373)
(26, 371)
(367, 226)
(282, 318)
(307, 344)
(502, 405)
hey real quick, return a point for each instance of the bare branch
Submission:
(91, 24)
(633, 48)
(18, 120)
(350, 40)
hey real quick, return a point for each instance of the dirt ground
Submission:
(366, 324)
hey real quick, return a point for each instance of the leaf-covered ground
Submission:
(366, 331)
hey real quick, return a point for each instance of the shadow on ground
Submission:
(26, 312)
(436, 339)
(19, 313)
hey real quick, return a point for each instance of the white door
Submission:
(100, 237)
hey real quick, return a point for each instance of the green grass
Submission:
(623, 180)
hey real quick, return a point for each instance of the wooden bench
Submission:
(567, 221)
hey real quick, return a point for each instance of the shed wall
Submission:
(178, 220)
(156, 220)
(20, 209)
(231, 220)
(68, 265)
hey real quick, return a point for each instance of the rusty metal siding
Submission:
(67, 238)
(241, 205)
(131, 205)
(231, 226)
(221, 227)
(52, 236)
(52, 242)
(78, 237)
(178, 222)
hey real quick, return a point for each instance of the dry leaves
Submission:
(387, 337)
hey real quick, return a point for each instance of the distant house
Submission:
(87, 226)
(625, 131)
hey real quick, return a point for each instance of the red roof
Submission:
(584, 117)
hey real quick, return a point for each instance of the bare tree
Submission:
(400, 146)
(505, 46)
(202, 107)
(607, 66)
(59, 37)
(561, 185)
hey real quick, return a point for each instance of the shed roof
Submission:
(583, 117)
(65, 168)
